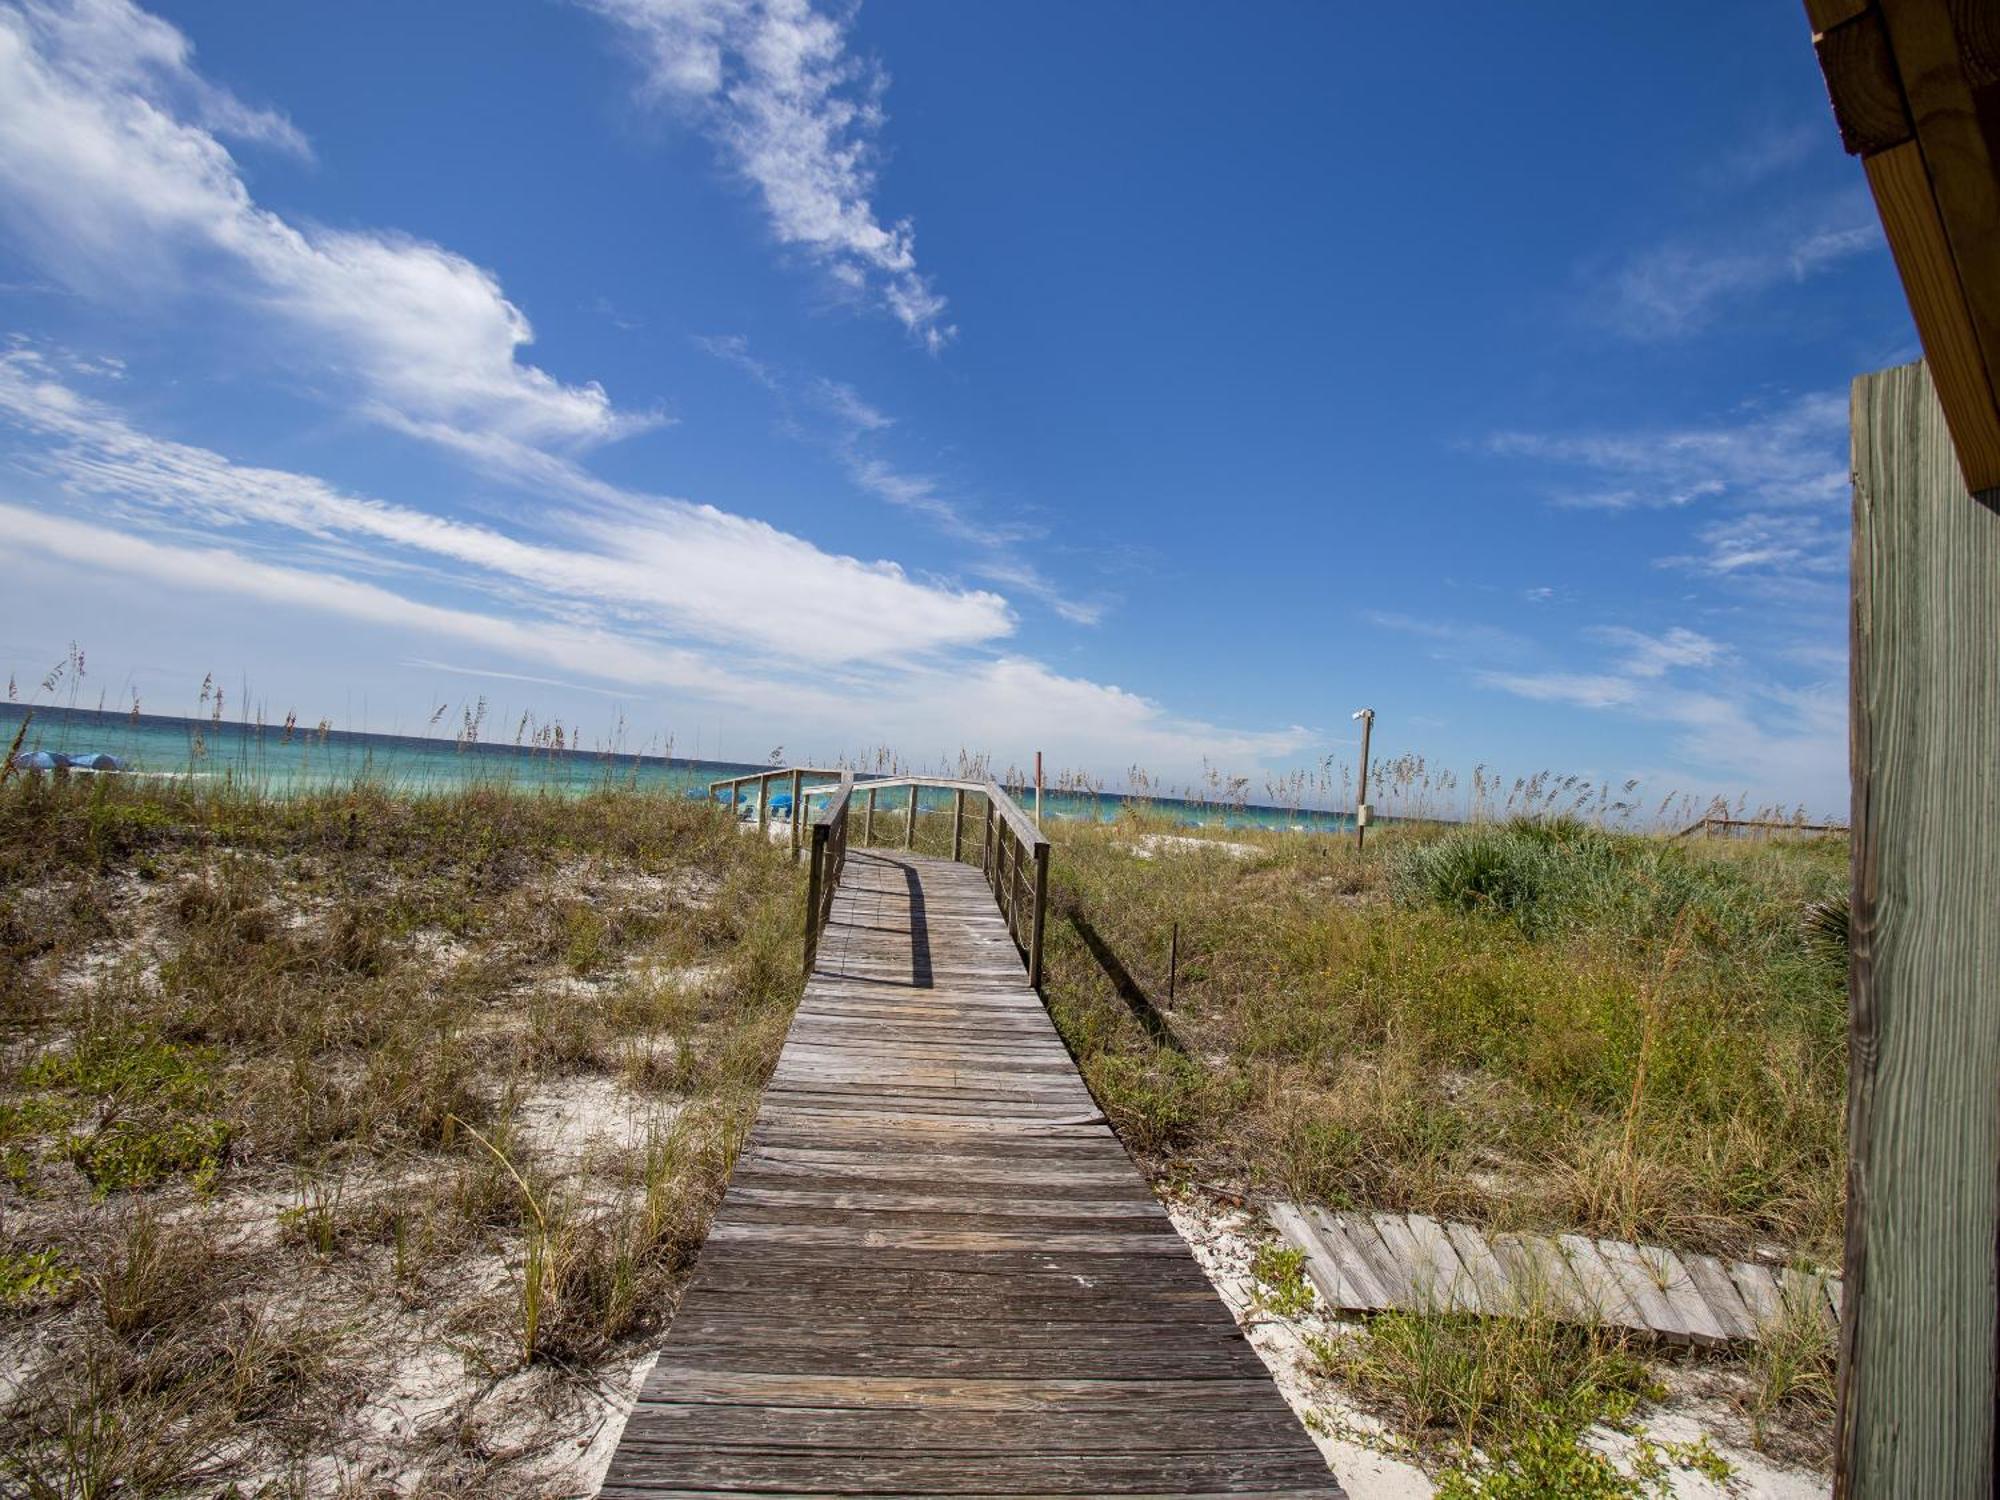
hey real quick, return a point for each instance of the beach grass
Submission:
(371, 1130)
(1525, 1024)
(352, 1134)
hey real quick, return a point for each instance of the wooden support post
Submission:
(1173, 962)
(868, 822)
(733, 787)
(1361, 810)
(1038, 789)
(763, 802)
(986, 848)
(1920, 1335)
(798, 809)
(910, 828)
(957, 824)
(814, 882)
(1008, 870)
(1041, 914)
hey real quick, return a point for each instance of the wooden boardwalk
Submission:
(936, 1271)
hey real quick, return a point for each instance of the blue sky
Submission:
(1146, 385)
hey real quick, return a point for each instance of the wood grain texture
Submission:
(1862, 84)
(1824, 15)
(1934, 64)
(1918, 1336)
(936, 1271)
(1371, 1263)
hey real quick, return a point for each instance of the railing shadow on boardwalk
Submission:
(920, 933)
(1127, 988)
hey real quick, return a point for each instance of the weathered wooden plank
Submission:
(1366, 1242)
(1718, 1290)
(1494, 1292)
(1919, 1339)
(1643, 1294)
(1931, 281)
(1427, 1290)
(1759, 1289)
(1356, 1269)
(1600, 1284)
(1450, 1281)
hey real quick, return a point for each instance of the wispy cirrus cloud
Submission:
(1777, 471)
(1791, 453)
(113, 171)
(796, 115)
(1730, 727)
(852, 428)
(1677, 289)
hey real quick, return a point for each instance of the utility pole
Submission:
(1367, 718)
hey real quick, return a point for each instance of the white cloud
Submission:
(222, 571)
(111, 171)
(1791, 454)
(855, 440)
(1797, 546)
(1649, 656)
(662, 562)
(1581, 689)
(617, 605)
(772, 82)
(846, 403)
(1006, 706)
(1777, 742)
(1678, 289)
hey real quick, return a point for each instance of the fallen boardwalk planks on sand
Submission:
(1378, 1262)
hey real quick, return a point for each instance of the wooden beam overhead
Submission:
(1915, 88)
(1868, 102)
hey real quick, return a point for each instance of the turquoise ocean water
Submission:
(266, 758)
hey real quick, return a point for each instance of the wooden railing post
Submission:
(986, 848)
(763, 803)
(798, 809)
(910, 828)
(814, 883)
(1040, 916)
(868, 822)
(1011, 863)
(957, 823)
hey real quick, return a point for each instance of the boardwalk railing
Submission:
(763, 779)
(1755, 827)
(829, 858)
(1013, 854)
(1016, 855)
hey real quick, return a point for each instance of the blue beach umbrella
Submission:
(38, 760)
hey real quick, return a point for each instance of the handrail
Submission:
(829, 858)
(1783, 825)
(1013, 853)
(1007, 825)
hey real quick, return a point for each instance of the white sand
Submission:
(1150, 845)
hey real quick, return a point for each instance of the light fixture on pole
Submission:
(1361, 811)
